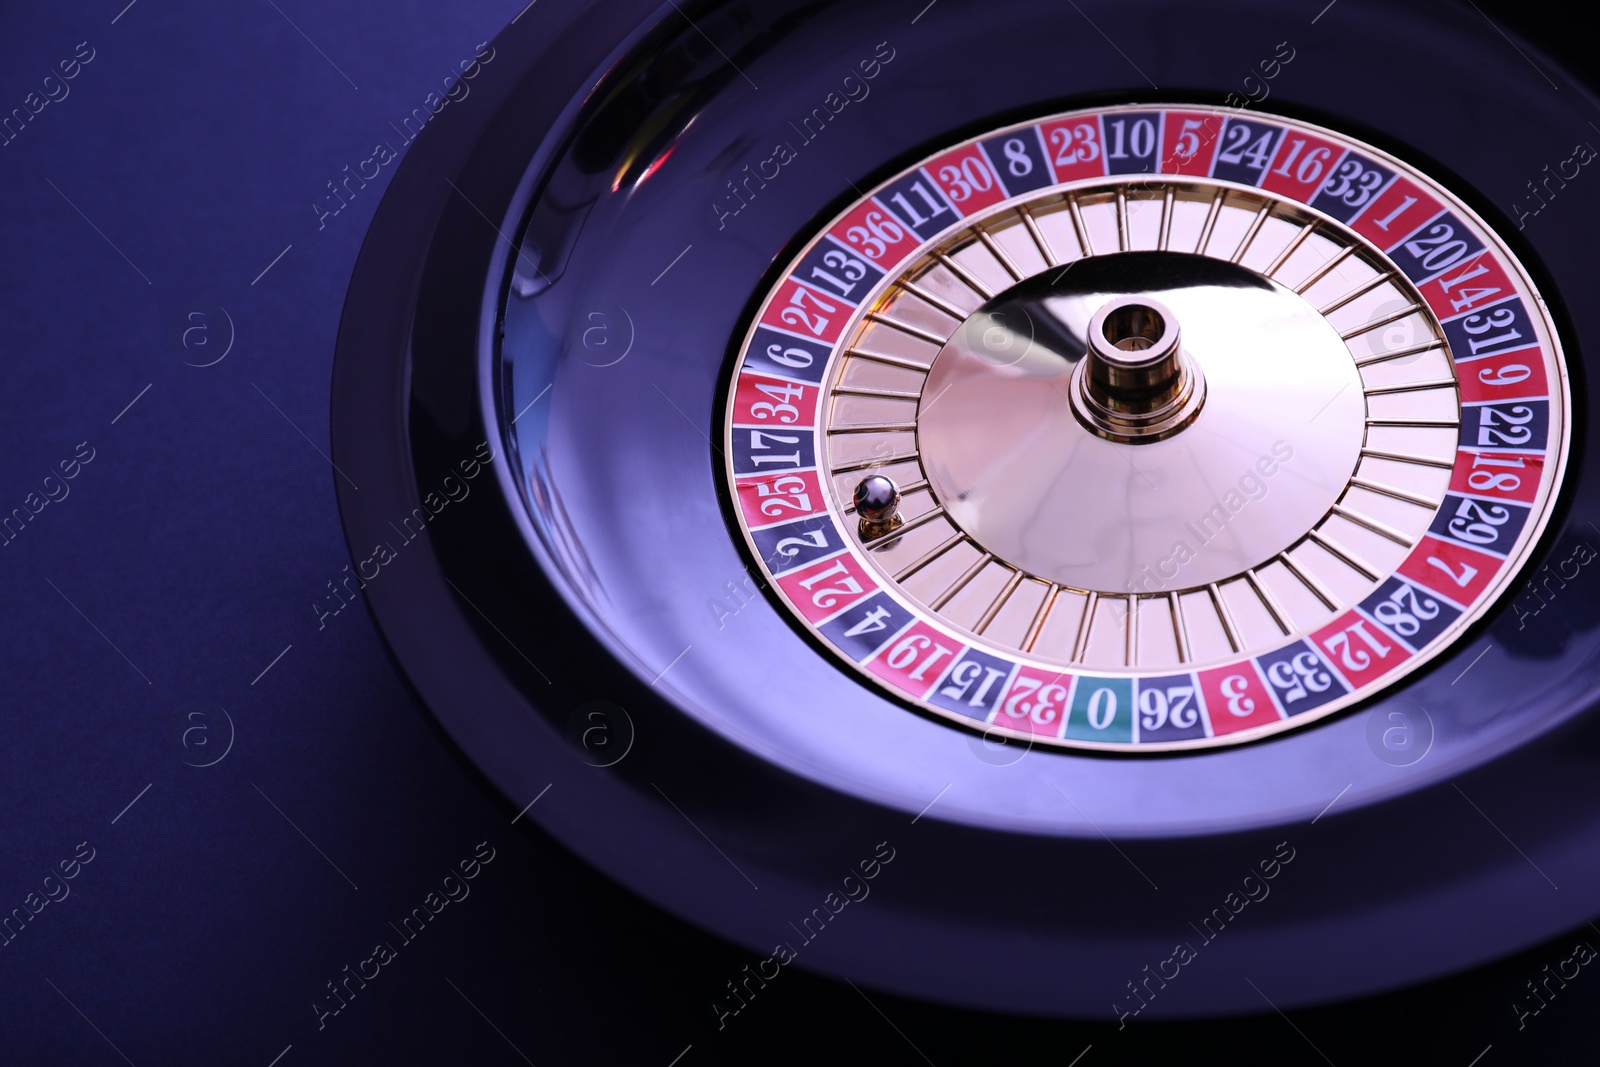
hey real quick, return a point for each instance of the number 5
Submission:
(1188, 145)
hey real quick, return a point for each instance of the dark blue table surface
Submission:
(245, 795)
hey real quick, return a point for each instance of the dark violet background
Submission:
(189, 551)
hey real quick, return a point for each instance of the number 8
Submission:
(1019, 163)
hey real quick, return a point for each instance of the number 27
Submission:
(796, 315)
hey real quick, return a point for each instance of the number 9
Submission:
(1510, 374)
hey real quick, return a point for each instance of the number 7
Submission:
(1468, 572)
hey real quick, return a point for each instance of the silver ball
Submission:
(876, 499)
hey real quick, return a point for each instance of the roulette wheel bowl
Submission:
(537, 353)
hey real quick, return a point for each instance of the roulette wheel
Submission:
(1035, 484)
(920, 520)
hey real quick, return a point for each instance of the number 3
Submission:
(1234, 687)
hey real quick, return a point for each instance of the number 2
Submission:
(789, 547)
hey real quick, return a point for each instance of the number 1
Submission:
(1405, 205)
